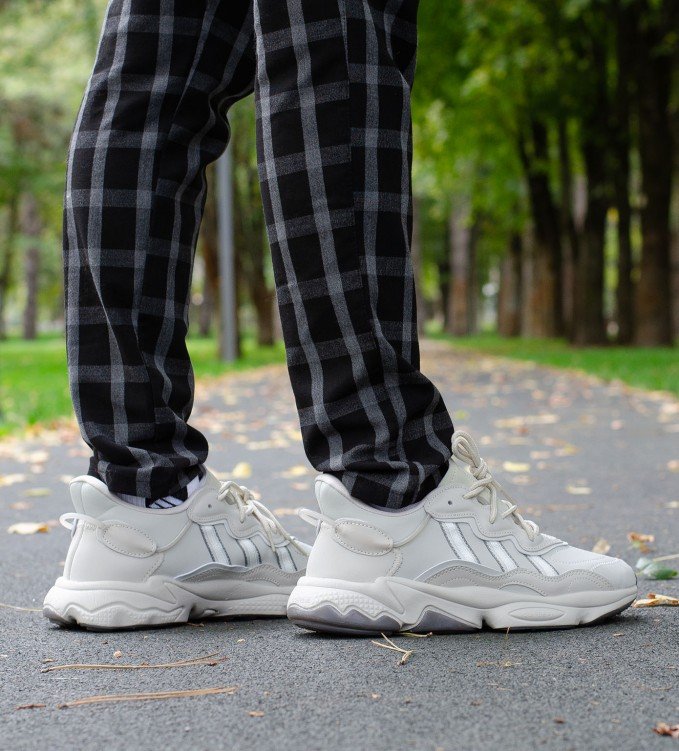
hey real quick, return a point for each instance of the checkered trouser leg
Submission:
(334, 138)
(151, 120)
(332, 83)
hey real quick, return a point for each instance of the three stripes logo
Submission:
(246, 553)
(497, 550)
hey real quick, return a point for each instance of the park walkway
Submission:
(587, 460)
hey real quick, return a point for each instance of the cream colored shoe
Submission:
(221, 553)
(460, 558)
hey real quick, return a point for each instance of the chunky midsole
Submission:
(160, 600)
(405, 602)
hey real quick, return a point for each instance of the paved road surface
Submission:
(588, 461)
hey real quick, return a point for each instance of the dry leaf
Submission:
(256, 713)
(518, 422)
(653, 600)
(298, 470)
(28, 528)
(241, 471)
(515, 466)
(662, 728)
(6, 480)
(601, 546)
(578, 490)
(640, 537)
(639, 540)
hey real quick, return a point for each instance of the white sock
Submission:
(169, 501)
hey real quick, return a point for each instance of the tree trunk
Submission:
(509, 298)
(461, 288)
(416, 256)
(543, 297)
(31, 228)
(209, 246)
(6, 266)
(569, 232)
(589, 320)
(595, 138)
(654, 85)
(621, 144)
(251, 248)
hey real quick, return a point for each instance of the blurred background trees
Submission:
(544, 178)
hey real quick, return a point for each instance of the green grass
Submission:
(655, 368)
(34, 384)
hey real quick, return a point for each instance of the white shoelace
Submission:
(244, 500)
(465, 449)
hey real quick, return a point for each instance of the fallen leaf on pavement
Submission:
(640, 537)
(578, 490)
(256, 713)
(653, 600)
(518, 422)
(6, 480)
(662, 728)
(28, 528)
(299, 470)
(241, 471)
(515, 466)
(601, 546)
(639, 540)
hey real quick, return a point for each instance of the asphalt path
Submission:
(587, 460)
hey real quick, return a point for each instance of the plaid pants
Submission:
(332, 82)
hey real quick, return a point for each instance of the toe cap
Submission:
(618, 573)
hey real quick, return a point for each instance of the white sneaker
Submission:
(221, 553)
(459, 558)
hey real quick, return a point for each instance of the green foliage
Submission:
(645, 367)
(34, 382)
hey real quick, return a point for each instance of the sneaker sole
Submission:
(390, 605)
(112, 606)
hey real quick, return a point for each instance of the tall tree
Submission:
(655, 58)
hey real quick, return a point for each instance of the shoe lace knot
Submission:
(501, 503)
(244, 500)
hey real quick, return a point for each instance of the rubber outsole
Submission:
(113, 609)
(360, 613)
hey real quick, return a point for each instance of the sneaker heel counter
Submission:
(343, 554)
